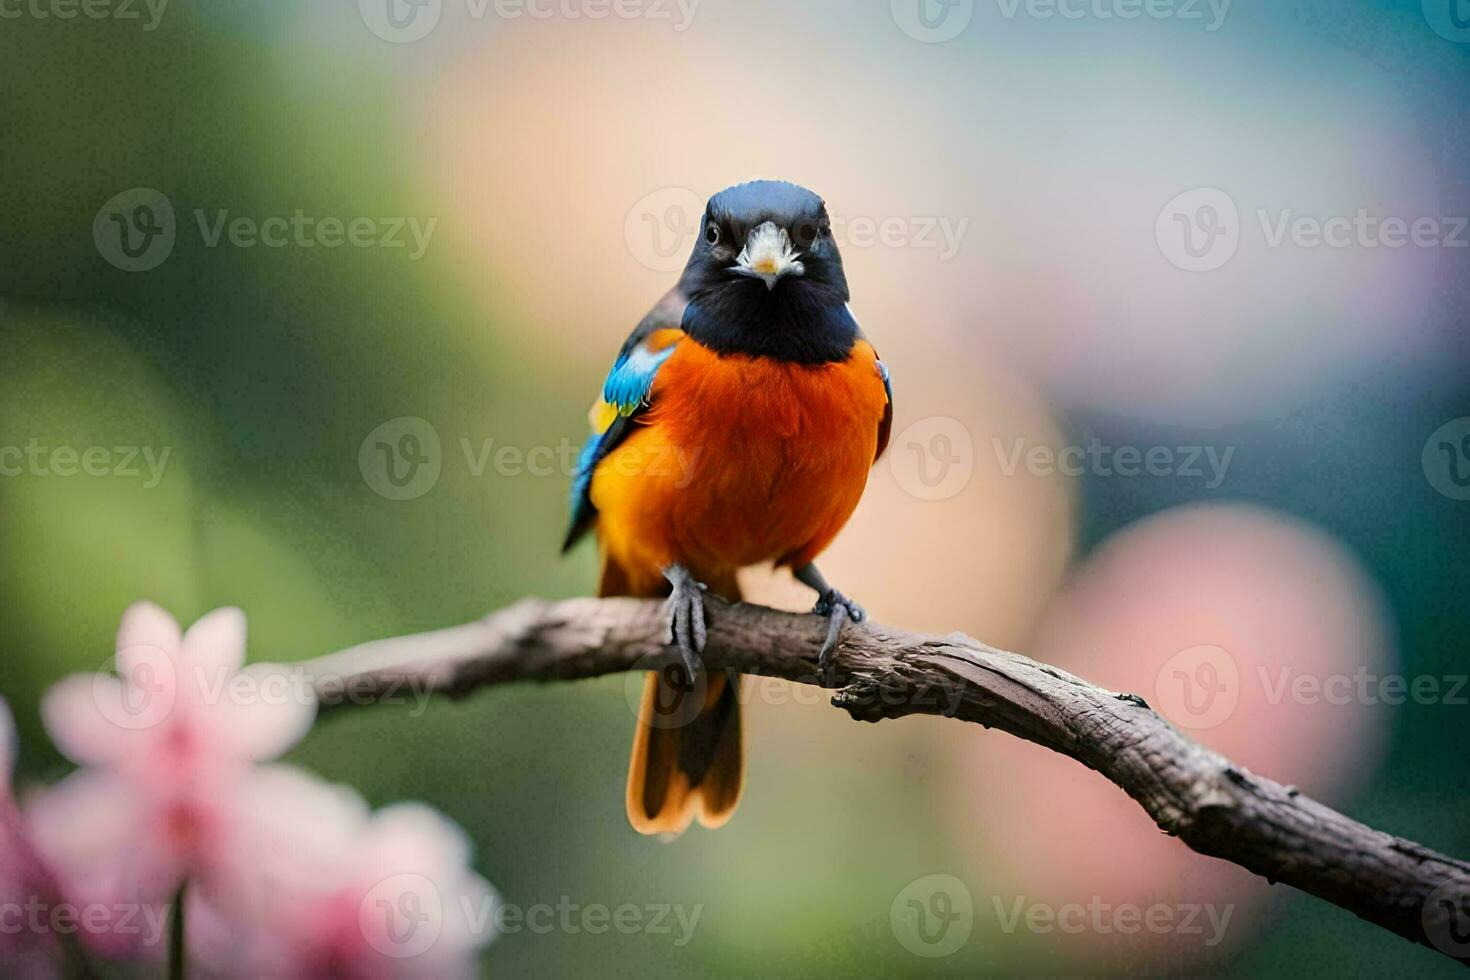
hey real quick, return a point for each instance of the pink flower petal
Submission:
(145, 626)
(413, 849)
(295, 851)
(297, 833)
(96, 835)
(223, 943)
(313, 881)
(416, 837)
(261, 712)
(89, 828)
(98, 720)
(217, 641)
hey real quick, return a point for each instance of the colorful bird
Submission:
(737, 427)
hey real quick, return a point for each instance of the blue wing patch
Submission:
(624, 393)
(582, 482)
(631, 378)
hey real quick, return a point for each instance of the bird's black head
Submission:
(766, 277)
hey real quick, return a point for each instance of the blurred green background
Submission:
(530, 143)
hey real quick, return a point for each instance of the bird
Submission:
(737, 427)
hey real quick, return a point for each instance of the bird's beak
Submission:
(768, 255)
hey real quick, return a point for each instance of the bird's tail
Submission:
(688, 750)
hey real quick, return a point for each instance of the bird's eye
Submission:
(807, 233)
(712, 233)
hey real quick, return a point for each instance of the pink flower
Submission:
(168, 750)
(344, 894)
(24, 949)
(286, 875)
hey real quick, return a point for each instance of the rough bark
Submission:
(1213, 805)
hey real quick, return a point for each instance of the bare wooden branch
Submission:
(1211, 804)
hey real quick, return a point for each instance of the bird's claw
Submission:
(839, 610)
(684, 613)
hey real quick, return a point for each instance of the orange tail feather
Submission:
(688, 759)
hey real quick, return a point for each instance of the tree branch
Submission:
(1214, 806)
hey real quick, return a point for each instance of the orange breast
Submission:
(740, 460)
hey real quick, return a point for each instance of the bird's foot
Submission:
(839, 610)
(684, 613)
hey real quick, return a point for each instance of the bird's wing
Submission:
(625, 395)
(885, 427)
